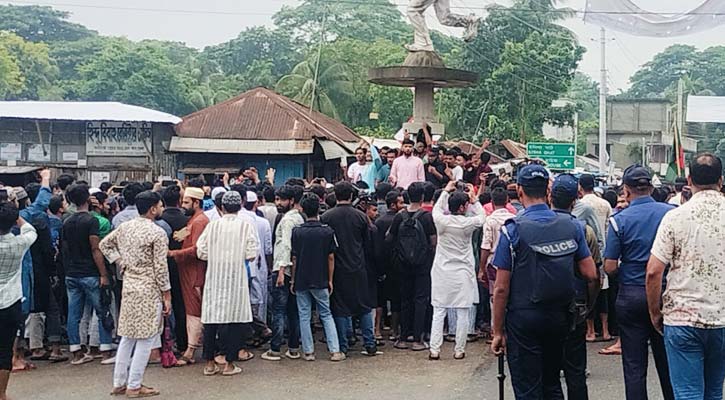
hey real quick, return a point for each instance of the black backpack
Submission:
(413, 245)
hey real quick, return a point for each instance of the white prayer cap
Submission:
(251, 197)
(216, 191)
(93, 191)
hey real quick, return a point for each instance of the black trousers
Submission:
(415, 288)
(10, 318)
(535, 345)
(575, 364)
(637, 332)
(177, 305)
(230, 340)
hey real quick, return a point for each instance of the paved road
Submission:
(394, 375)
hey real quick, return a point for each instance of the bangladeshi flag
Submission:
(677, 166)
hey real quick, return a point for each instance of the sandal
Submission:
(144, 391)
(609, 351)
(184, 361)
(118, 391)
(211, 372)
(434, 356)
(247, 355)
(42, 357)
(459, 356)
(235, 371)
(57, 359)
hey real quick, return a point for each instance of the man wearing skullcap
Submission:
(228, 244)
(192, 270)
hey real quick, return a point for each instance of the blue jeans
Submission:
(344, 329)
(697, 362)
(81, 290)
(321, 297)
(284, 304)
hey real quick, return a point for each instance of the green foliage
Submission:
(41, 24)
(37, 71)
(11, 79)
(525, 62)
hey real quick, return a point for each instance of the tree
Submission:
(140, 74)
(666, 68)
(36, 68)
(584, 91)
(362, 20)
(11, 79)
(41, 24)
(525, 61)
(333, 85)
(256, 44)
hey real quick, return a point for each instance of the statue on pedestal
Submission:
(416, 10)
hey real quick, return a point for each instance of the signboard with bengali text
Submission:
(118, 139)
(558, 156)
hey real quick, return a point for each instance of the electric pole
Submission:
(603, 156)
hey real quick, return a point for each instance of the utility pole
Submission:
(680, 124)
(603, 156)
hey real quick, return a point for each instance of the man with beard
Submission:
(436, 171)
(406, 169)
(140, 247)
(192, 271)
(384, 171)
(351, 297)
(284, 303)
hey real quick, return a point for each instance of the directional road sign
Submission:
(558, 156)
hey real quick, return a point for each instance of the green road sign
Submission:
(560, 156)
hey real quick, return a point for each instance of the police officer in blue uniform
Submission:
(537, 255)
(563, 195)
(629, 242)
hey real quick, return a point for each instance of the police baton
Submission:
(501, 376)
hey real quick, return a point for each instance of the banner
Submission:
(118, 139)
(625, 16)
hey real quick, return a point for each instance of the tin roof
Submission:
(83, 111)
(261, 114)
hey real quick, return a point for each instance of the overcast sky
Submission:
(209, 22)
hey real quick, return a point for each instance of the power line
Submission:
(353, 2)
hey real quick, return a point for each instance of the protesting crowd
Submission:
(411, 248)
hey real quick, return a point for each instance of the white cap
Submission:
(93, 191)
(252, 197)
(215, 192)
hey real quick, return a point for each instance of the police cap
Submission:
(566, 184)
(533, 175)
(637, 175)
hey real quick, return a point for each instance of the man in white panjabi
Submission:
(227, 244)
(416, 11)
(453, 276)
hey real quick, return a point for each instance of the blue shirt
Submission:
(631, 234)
(383, 173)
(37, 209)
(540, 213)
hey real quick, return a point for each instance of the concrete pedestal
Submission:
(425, 72)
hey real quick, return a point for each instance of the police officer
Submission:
(629, 242)
(535, 288)
(564, 192)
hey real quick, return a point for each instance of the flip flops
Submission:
(246, 356)
(609, 351)
(43, 357)
(57, 359)
(235, 371)
(212, 372)
(83, 360)
(184, 361)
(144, 391)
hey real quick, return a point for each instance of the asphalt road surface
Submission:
(394, 375)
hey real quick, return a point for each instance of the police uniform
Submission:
(629, 240)
(540, 248)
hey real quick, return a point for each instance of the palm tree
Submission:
(333, 86)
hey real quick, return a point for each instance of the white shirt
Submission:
(676, 200)
(226, 244)
(492, 230)
(12, 249)
(691, 238)
(457, 173)
(212, 214)
(602, 210)
(355, 171)
(453, 276)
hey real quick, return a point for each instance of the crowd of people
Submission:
(413, 247)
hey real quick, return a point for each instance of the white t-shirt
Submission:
(457, 173)
(355, 171)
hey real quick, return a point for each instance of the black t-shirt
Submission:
(312, 243)
(440, 167)
(426, 219)
(77, 257)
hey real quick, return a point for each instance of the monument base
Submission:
(423, 59)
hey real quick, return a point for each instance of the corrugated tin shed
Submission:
(263, 115)
(83, 111)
